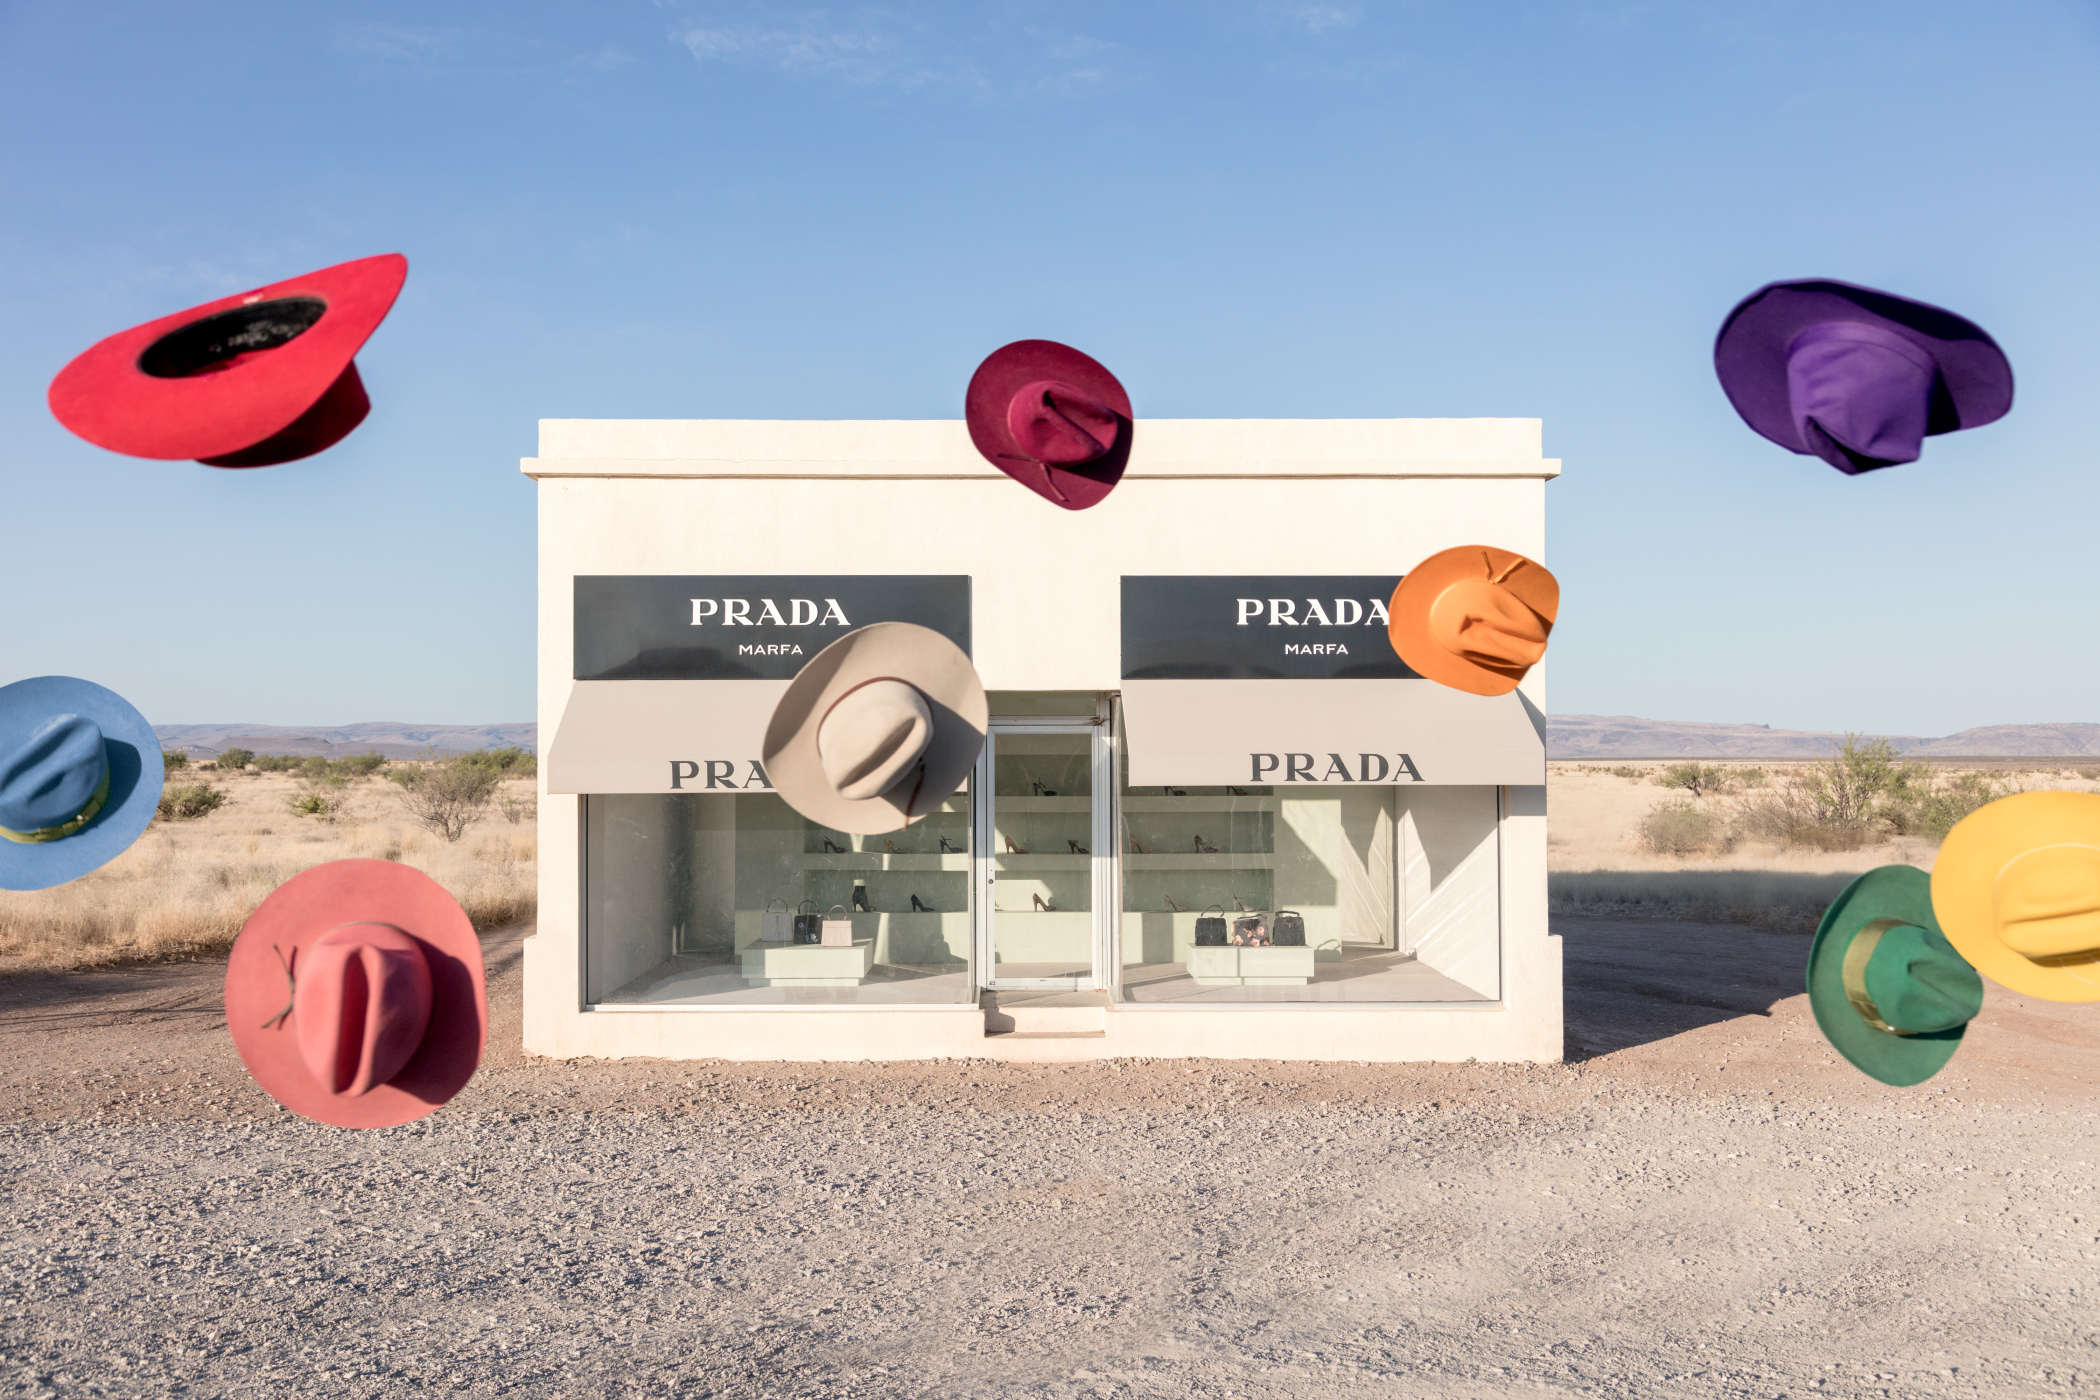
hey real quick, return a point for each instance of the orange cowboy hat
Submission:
(1474, 618)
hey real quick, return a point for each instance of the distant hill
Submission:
(390, 739)
(1623, 736)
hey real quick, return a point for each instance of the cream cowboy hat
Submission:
(878, 729)
(2016, 886)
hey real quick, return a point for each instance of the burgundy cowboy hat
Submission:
(249, 380)
(355, 994)
(1857, 377)
(1052, 419)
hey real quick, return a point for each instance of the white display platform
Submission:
(1250, 967)
(808, 964)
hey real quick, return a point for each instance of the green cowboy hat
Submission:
(1888, 989)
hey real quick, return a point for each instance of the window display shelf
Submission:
(1045, 804)
(1198, 804)
(1040, 862)
(881, 860)
(1203, 860)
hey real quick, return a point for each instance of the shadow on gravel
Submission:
(1630, 981)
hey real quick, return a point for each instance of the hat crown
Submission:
(361, 1005)
(1861, 394)
(50, 775)
(872, 736)
(1919, 983)
(1060, 423)
(1486, 623)
(2047, 902)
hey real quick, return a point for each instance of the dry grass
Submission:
(187, 887)
(1789, 900)
(1599, 860)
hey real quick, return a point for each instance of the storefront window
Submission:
(1300, 893)
(694, 900)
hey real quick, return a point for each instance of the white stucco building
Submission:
(1196, 714)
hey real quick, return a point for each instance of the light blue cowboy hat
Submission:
(77, 780)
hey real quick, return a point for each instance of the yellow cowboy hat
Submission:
(2016, 888)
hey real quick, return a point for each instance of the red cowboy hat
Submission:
(1475, 618)
(355, 994)
(1052, 419)
(245, 381)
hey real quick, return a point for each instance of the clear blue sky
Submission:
(1256, 210)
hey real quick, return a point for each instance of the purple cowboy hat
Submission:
(1857, 377)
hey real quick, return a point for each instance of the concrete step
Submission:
(1047, 1047)
(1057, 1013)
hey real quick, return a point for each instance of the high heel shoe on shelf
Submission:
(1136, 849)
(1041, 791)
(1239, 906)
(949, 848)
(920, 906)
(831, 849)
(1077, 849)
(1014, 850)
(1173, 792)
(860, 899)
(890, 847)
(1042, 905)
(1205, 848)
(1175, 908)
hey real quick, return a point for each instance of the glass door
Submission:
(1043, 856)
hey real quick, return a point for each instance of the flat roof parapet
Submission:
(940, 448)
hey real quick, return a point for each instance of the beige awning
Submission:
(663, 736)
(1215, 732)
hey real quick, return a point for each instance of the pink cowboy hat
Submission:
(355, 995)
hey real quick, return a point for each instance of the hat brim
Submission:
(1891, 892)
(1408, 614)
(1964, 883)
(105, 397)
(1003, 374)
(902, 650)
(1751, 350)
(305, 909)
(134, 783)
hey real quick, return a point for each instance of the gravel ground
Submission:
(1702, 1203)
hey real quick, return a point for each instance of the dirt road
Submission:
(1702, 1203)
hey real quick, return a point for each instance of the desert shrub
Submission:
(1932, 806)
(2090, 774)
(516, 809)
(173, 760)
(1746, 778)
(1681, 827)
(1698, 779)
(511, 762)
(358, 765)
(322, 798)
(1624, 770)
(276, 762)
(189, 801)
(234, 760)
(446, 798)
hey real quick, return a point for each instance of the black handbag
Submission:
(809, 926)
(1248, 931)
(1210, 928)
(1290, 929)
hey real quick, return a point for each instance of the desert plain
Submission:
(1701, 1200)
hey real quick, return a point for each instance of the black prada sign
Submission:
(650, 627)
(1259, 627)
